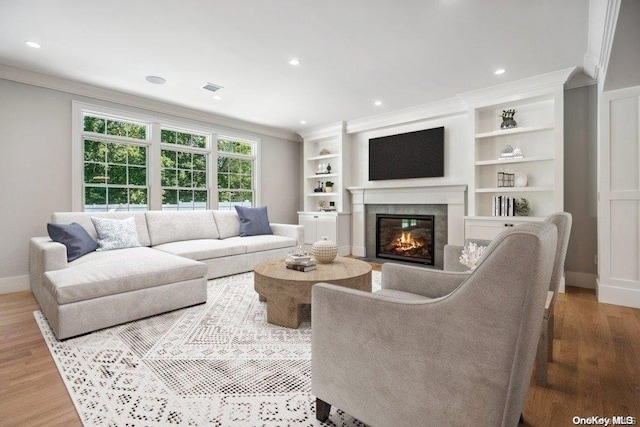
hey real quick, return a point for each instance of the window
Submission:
(115, 164)
(184, 171)
(130, 161)
(236, 173)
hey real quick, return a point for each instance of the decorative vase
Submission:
(508, 124)
(324, 250)
(328, 189)
(520, 179)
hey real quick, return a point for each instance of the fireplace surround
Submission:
(399, 199)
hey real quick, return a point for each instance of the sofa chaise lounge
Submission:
(179, 251)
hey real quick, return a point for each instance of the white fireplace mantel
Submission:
(454, 196)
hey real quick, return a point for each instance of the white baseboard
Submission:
(14, 284)
(580, 280)
(619, 296)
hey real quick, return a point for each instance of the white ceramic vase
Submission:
(324, 250)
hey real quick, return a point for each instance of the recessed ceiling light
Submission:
(294, 61)
(377, 103)
(155, 80)
(499, 71)
(303, 122)
(34, 45)
(217, 98)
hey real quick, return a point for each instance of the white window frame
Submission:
(208, 151)
(156, 123)
(255, 142)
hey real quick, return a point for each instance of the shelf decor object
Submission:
(507, 119)
(523, 207)
(324, 250)
(328, 186)
(520, 179)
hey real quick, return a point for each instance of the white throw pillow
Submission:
(116, 233)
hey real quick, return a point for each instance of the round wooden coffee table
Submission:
(286, 290)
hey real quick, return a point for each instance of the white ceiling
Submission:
(403, 53)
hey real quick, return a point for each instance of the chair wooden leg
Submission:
(542, 357)
(322, 410)
(550, 329)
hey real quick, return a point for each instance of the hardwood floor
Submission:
(596, 367)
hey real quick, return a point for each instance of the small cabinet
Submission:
(333, 225)
(488, 228)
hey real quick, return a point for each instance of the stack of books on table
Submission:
(300, 262)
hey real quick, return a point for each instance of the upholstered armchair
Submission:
(435, 347)
(562, 220)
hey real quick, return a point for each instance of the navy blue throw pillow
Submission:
(74, 237)
(253, 221)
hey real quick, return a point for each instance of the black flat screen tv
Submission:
(417, 154)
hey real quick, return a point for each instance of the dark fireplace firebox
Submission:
(405, 238)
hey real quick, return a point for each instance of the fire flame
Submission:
(406, 242)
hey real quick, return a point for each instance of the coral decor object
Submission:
(471, 254)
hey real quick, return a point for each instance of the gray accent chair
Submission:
(435, 347)
(563, 222)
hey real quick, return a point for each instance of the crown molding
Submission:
(324, 131)
(109, 95)
(445, 107)
(611, 20)
(580, 80)
(590, 66)
(516, 88)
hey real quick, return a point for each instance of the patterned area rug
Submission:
(216, 364)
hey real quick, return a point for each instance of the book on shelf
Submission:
(303, 268)
(503, 206)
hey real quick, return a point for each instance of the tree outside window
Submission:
(184, 171)
(115, 169)
(236, 170)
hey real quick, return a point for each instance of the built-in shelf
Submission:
(513, 189)
(508, 161)
(332, 194)
(323, 157)
(513, 131)
(323, 175)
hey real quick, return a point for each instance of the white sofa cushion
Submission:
(203, 248)
(263, 242)
(165, 227)
(228, 223)
(84, 219)
(100, 274)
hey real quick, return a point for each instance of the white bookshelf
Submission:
(539, 136)
(334, 225)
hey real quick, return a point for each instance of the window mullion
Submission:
(154, 168)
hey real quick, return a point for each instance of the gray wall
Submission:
(35, 168)
(580, 184)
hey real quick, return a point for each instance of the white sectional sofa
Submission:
(179, 251)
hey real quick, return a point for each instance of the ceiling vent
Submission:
(211, 87)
